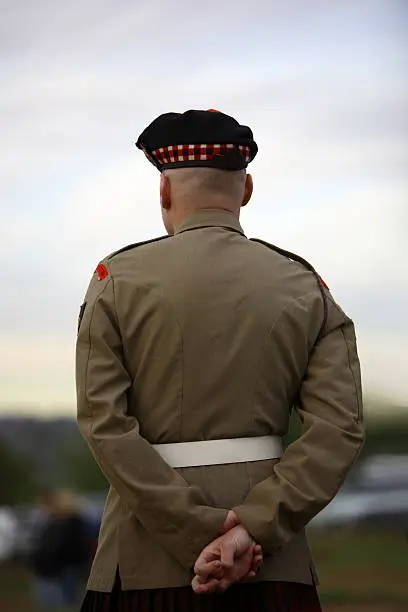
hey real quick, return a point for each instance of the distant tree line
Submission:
(20, 483)
(383, 436)
(75, 467)
(17, 481)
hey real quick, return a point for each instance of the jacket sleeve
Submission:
(313, 467)
(164, 503)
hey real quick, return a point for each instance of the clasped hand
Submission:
(228, 559)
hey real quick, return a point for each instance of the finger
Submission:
(202, 580)
(248, 558)
(257, 560)
(227, 554)
(211, 586)
(204, 570)
(220, 586)
(241, 567)
(257, 552)
(224, 585)
(207, 556)
(256, 566)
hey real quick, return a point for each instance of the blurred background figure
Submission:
(61, 551)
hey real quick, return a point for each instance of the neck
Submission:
(209, 217)
(186, 209)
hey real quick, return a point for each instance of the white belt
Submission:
(217, 452)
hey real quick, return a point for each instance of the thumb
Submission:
(227, 552)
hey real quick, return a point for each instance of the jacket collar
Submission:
(210, 217)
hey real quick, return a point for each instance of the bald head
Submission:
(184, 190)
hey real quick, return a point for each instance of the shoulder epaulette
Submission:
(294, 257)
(135, 245)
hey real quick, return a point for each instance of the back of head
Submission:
(202, 157)
(206, 187)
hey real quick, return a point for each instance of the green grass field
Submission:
(359, 572)
(367, 567)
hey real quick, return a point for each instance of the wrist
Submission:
(230, 522)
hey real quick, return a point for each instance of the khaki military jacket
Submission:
(206, 335)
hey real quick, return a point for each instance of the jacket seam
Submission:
(267, 340)
(90, 411)
(358, 417)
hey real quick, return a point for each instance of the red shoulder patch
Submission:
(323, 283)
(212, 110)
(102, 271)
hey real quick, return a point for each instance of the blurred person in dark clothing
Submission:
(61, 553)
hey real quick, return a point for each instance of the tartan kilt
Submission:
(257, 596)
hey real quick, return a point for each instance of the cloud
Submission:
(37, 370)
(384, 359)
(323, 87)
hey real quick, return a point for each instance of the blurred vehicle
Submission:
(8, 533)
(380, 508)
(375, 495)
(27, 518)
(383, 471)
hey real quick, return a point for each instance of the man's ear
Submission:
(165, 192)
(249, 187)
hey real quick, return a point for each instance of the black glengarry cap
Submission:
(198, 138)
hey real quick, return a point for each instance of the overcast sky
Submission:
(323, 86)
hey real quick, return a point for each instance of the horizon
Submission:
(322, 86)
(373, 406)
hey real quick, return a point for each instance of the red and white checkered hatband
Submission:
(195, 152)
